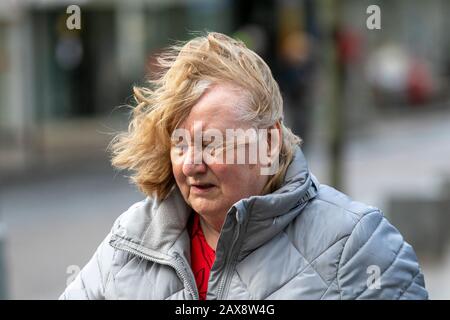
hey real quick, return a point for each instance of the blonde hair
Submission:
(187, 71)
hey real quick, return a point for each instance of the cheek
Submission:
(233, 179)
(176, 170)
(179, 176)
(221, 172)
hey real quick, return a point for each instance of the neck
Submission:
(211, 229)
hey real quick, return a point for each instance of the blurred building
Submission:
(50, 74)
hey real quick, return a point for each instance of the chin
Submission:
(203, 209)
(206, 210)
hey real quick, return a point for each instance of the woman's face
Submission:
(212, 188)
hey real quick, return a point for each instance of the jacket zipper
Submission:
(228, 266)
(179, 270)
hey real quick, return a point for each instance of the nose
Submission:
(190, 166)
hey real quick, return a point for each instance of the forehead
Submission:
(219, 107)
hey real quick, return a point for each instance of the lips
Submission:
(201, 188)
(203, 185)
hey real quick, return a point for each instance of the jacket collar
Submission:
(154, 228)
(158, 229)
(265, 216)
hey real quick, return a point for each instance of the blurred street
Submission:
(56, 219)
(57, 222)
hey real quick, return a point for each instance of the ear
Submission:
(275, 141)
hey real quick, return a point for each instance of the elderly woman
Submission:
(232, 210)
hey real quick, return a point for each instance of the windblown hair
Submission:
(187, 71)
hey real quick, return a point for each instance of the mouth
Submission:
(201, 188)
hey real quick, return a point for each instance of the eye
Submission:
(207, 144)
(180, 148)
(209, 147)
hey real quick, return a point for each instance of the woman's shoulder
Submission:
(131, 222)
(361, 241)
(336, 211)
(329, 220)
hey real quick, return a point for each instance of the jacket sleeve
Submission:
(91, 281)
(376, 263)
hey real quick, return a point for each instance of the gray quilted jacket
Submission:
(304, 241)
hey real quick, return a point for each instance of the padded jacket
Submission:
(303, 241)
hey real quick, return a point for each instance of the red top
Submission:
(202, 257)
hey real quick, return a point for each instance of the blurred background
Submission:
(372, 106)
